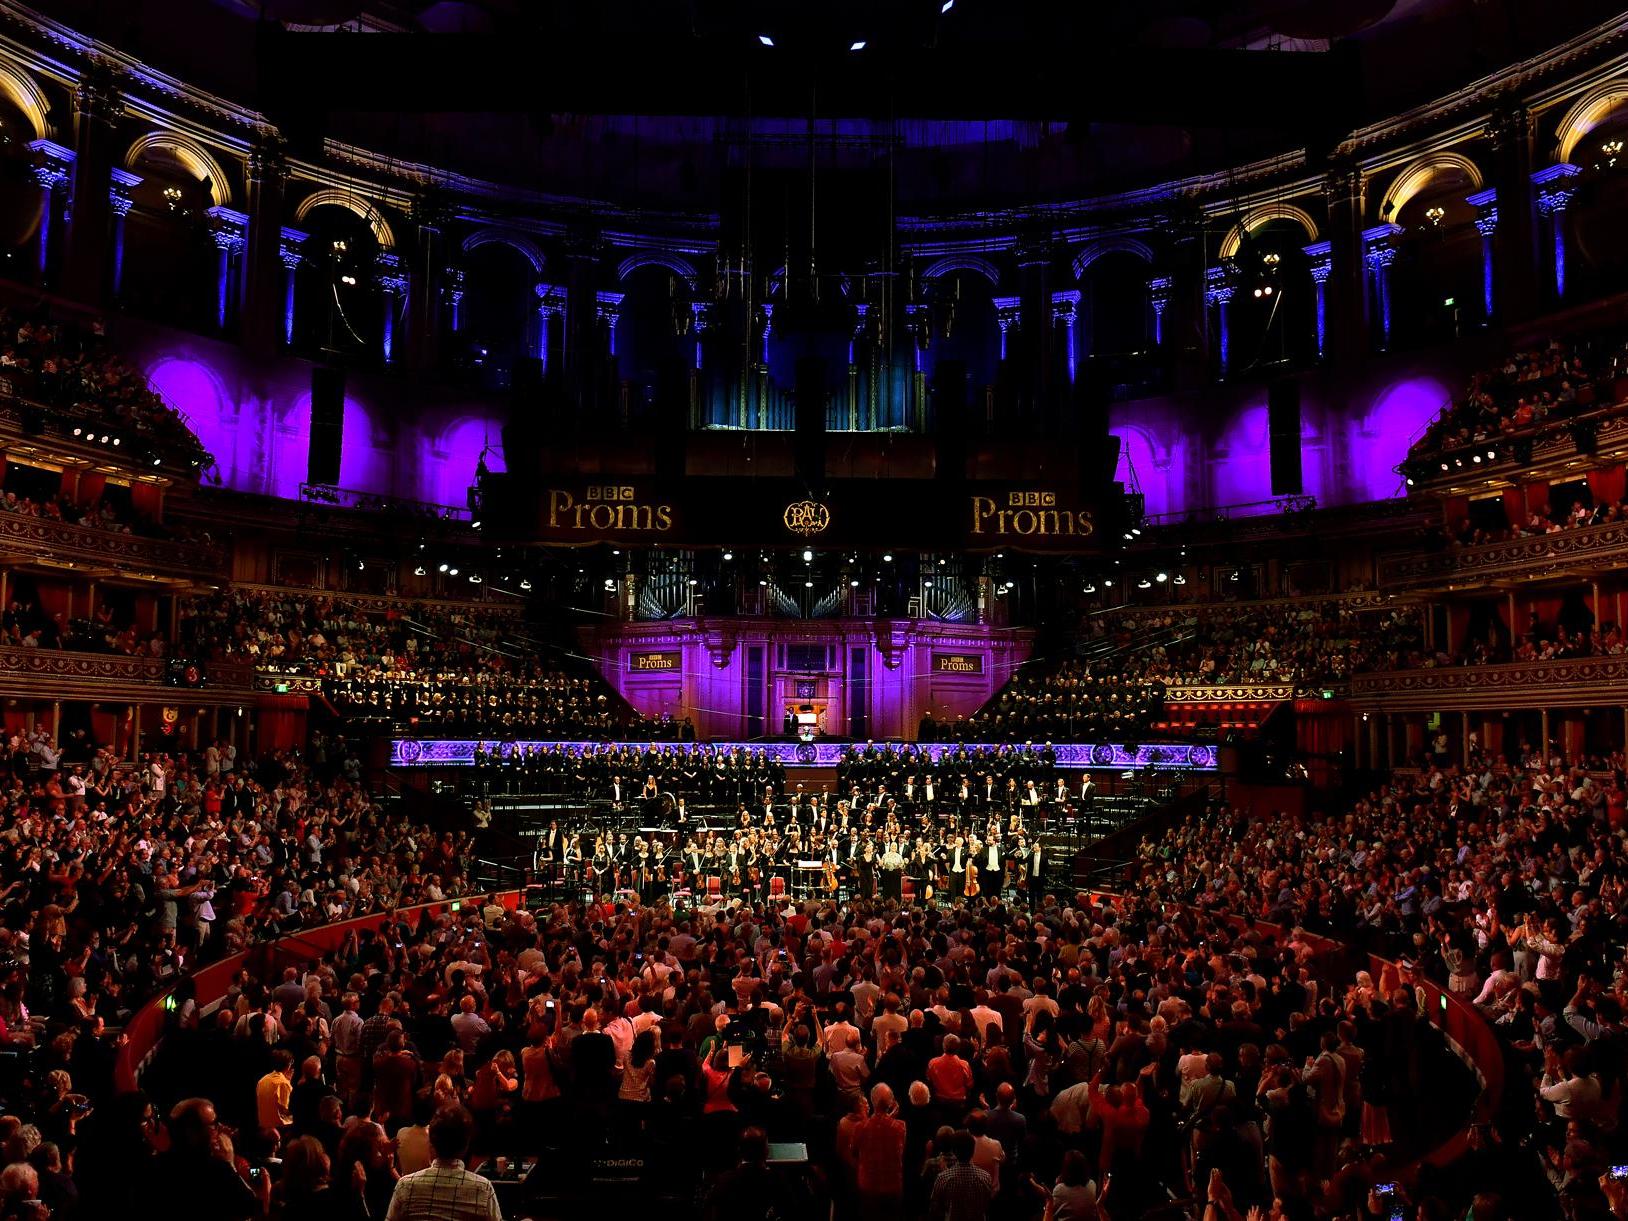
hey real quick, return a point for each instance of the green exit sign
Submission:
(282, 688)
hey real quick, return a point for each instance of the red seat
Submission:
(777, 887)
(909, 891)
(715, 887)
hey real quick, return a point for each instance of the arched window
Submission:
(650, 347)
(1273, 304)
(338, 304)
(170, 259)
(1597, 261)
(498, 316)
(1436, 289)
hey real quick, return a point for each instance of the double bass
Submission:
(972, 891)
(830, 878)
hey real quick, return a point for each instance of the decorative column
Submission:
(1511, 132)
(1556, 184)
(1485, 204)
(550, 301)
(1034, 258)
(608, 309)
(1378, 253)
(1321, 263)
(290, 253)
(701, 318)
(1065, 312)
(1159, 291)
(1344, 190)
(862, 311)
(455, 298)
(263, 298)
(228, 228)
(52, 165)
(1008, 314)
(97, 107)
(119, 203)
(1220, 283)
(917, 326)
(768, 326)
(392, 281)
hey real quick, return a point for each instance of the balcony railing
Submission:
(1574, 682)
(67, 674)
(87, 545)
(1588, 547)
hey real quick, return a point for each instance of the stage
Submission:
(793, 756)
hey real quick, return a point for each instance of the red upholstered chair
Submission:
(777, 887)
(715, 887)
(909, 891)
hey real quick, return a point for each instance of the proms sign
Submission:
(958, 663)
(1160, 756)
(711, 511)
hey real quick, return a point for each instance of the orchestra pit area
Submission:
(936, 611)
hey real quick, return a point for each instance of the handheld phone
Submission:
(1619, 1172)
(254, 1174)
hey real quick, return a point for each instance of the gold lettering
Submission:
(664, 517)
(558, 502)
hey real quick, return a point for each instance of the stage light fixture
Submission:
(765, 40)
(475, 525)
(78, 431)
(1492, 455)
(347, 279)
(946, 6)
(888, 558)
(1257, 292)
(928, 583)
(1476, 459)
(158, 462)
(693, 581)
(1128, 536)
(452, 572)
(1444, 466)
(1162, 577)
(1144, 583)
(419, 571)
(1410, 481)
(1090, 589)
(116, 440)
(808, 557)
(1267, 290)
(808, 584)
(761, 582)
(857, 45)
(853, 584)
(525, 584)
(443, 568)
(729, 555)
(1137, 530)
(1180, 580)
(474, 578)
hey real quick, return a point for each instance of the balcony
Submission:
(1571, 682)
(62, 674)
(24, 539)
(1565, 553)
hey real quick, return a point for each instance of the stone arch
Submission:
(351, 202)
(190, 155)
(1094, 250)
(28, 97)
(1421, 174)
(962, 262)
(658, 258)
(1587, 113)
(1265, 214)
(527, 248)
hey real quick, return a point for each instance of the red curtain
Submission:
(54, 598)
(281, 721)
(1607, 485)
(1537, 495)
(1322, 730)
(1454, 509)
(91, 485)
(1515, 506)
(148, 499)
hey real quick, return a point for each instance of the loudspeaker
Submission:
(950, 419)
(808, 444)
(1283, 429)
(327, 424)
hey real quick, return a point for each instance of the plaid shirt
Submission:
(444, 1192)
(960, 1193)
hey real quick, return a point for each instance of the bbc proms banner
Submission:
(701, 512)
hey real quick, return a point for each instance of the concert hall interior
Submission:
(933, 609)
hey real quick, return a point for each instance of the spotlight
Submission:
(1445, 467)
(808, 584)
(928, 583)
(1144, 583)
(1267, 290)
(443, 568)
(1137, 530)
(474, 578)
(761, 582)
(609, 583)
(116, 440)
(1180, 579)
(475, 525)
(361, 565)
(946, 6)
(729, 555)
(1410, 481)
(1476, 459)
(1257, 292)
(525, 584)
(765, 40)
(692, 581)
(857, 45)
(941, 563)
(853, 584)
(1128, 536)
(1090, 589)
(888, 558)
(1492, 455)
(808, 557)
(1234, 575)
(452, 572)
(419, 571)
(78, 431)
(158, 462)
(347, 279)
(104, 438)
(1162, 577)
